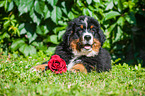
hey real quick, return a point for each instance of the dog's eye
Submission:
(92, 30)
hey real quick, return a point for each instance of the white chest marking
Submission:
(72, 63)
(86, 53)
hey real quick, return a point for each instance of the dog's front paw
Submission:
(78, 68)
(39, 67)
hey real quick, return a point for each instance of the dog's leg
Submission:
(78, 68)
(39, 67)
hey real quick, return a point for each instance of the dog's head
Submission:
(84, 36)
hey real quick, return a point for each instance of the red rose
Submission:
(57, 64)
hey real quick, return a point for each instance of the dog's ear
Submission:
(102, 36)
(69, 31)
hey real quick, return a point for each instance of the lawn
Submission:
(16, 79)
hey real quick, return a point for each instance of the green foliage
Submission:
(17, 79)
(39, 24)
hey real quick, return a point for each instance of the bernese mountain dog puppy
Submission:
(81, 47)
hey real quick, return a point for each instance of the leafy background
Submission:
(28, 26)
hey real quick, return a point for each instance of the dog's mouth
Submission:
(87, 47)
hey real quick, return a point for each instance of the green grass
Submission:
(17, 80)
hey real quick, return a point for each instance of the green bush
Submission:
(27, 26)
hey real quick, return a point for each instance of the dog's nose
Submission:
(87, 37)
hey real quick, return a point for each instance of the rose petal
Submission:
(57, 64)
(55, 56)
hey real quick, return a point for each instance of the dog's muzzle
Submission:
(87, 41)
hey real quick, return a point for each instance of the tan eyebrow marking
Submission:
(91, 26)
(82, 26)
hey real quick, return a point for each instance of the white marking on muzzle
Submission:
(85, 21)
(87, 33)
(85, 41)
